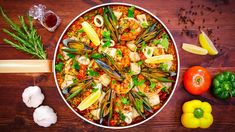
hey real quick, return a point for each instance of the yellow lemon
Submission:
(159, 59)
(194, 49)
(89, 100)
(206, 43)
(92, 35)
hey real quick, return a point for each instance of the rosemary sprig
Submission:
(27, 39)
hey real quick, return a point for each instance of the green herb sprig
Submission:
(27, 39)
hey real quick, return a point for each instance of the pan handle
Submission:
(25, 66)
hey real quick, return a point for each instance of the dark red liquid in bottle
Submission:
(50, 20)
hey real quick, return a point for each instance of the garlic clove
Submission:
(44, 116)
(32, 96)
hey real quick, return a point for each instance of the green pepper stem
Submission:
(198, 113)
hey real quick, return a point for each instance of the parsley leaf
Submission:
(76, 65)
(124, 100)
(96, 56)
(106, 38)
(163, 89)
(139, 104)
(106, 34)
(113, 81)
(59, 67)
(144, 25)
(71, 55)
(164, 35)
(152, 85)
(75, 80)
(94, 90)
(121, 115)
(164, 66)
(141, 94)
(119, 52)
(165, 43)
(60, 57)
(143, 45)
(80, 30)
(149, 52)
(140, 63)
(130, 12)
(158, 41)
(136, 82)
(92, 73)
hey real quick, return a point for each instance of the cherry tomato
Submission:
(197, 80)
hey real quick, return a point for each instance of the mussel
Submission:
(112, 62)
(149, 33)
(110, 22)
(107, 105)
(75, 47)
(75, 88)
(156, 75)
(139, 103)
(107, 69)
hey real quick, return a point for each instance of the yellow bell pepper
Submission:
(196, 114)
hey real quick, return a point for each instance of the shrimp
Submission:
(123, 87)
(124, 61)
(130, 29)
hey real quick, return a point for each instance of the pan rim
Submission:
(177, 55)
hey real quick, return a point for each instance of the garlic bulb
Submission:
(44, 116)
(32, 96)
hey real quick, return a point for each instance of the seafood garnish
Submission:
(110, 22)
(108, 70)
(74, 46)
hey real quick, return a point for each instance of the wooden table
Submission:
(14, 115)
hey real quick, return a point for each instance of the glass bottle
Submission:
(47, 18)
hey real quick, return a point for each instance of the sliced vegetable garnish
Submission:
(159, 59)
(91, 33)
(207, 44)
(194, 49)
(89, 100)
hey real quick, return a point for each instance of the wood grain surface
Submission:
(217, 15)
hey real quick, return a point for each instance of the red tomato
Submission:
(112, 122)
(197, 80)
(82, 72)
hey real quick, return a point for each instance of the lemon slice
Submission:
(194, 49)
(89, 100)
(92, 35)
(206, 43)
(159, 59)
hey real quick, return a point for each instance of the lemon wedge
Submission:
(92, 35)
(194, 49)
(89, 100)
(159, 59)
(206, 43)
